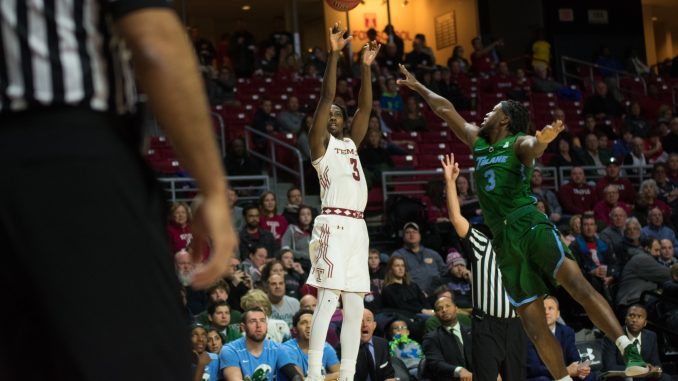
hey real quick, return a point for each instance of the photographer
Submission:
(239, 283)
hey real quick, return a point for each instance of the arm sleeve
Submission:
(120, 8)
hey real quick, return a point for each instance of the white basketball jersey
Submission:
(342, 181)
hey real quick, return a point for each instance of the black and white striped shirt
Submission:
(488, 294)
(66, 52)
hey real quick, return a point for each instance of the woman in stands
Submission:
(413, 119)
(294, 273)
(179, 227)
(400, 293)
(297, 237)
(470, 206)
(270, 219)
(214, 341)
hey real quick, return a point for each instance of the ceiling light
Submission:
(246, 7)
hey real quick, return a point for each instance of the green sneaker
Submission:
(635, 366)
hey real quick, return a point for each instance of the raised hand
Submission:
(450, 168)
(370, 51)
(550, 132)
(337, 40)
(409, 79)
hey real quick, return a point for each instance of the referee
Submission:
(85, 259)
(499, 345)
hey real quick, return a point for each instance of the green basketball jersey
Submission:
(502, 181)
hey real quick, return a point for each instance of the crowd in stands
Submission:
(620, 229)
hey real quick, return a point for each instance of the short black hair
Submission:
(517, 114)
(299, 314)
(247, 207)
(213, 306)
(636, 305)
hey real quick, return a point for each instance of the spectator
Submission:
(469, 203)
(298, 347)
(254, 264)
(290, 120)
(388, 58)
(277, 330)
(264, 120)
(345, 91)
(393, 38)
(239, 283)
(373, 361)
(214, 341)
(541, 83)
(610, 64)
(547, 195)
(239, 163)
(254, 356)
(424, 265)
(458, 57)
(670, 141)
(575, 229)
(635, 64)
(541, 52)
(670, 289)
(565, 156)
(481, 58)
(267, 64)
(375, 158)
(458, 280)
(655, 227)
(294, 201)
(220, 90)
(432, 323)
(434, 202)
(425, 48)
(668, 189)
(636, 320)
(613, 234)
(576, 196)
(631, 244)
(289, 63)
(641, 273)
(653, 151)
(413, 119)
(400, 293)
(390, 100)
(203, 47)
(297, 237)
(627, 193)
(647, 200)
(610, 200)
(252, 234)
(590, 155)
(404, 348)
(601, 104)
(448, 348)
(635, 122)
(219, 316)
(236, 211)
(218, 292)
(667, 255)
(196, 300)
(596, 258)
(179, 227)
(270, 219)
(536, 370)
(294, 273)
(672, 172)
(622, 147)
(450, 90)
(636, 157)
(272, 267)
(242, 50)
(283, 307)
(207, 363)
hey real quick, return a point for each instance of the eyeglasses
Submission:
(400, 328)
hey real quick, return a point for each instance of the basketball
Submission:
(343, 5)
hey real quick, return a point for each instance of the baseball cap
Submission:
(412, 225)
(454, 257)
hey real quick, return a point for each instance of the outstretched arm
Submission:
(361, 118)
(318, 136)
(451, 172)
(530, 148)
(466, 132)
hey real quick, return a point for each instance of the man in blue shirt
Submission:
(425, 266)
(254, 357)
(298, 348)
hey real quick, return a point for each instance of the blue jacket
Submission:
(565, 336)
(605, 254)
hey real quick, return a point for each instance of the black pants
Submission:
(87, 285)
(498, 347)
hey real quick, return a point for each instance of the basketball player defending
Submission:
(339, 244)
(531, 256)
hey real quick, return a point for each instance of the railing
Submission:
(413, 183)
(222, 133)
(591, 66)
(275, 165)
(184, 188)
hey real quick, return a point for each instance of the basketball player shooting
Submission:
(339, 243)
(531, 256)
